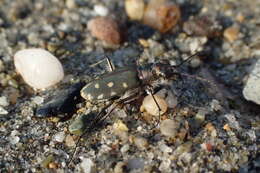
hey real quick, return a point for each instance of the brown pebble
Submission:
(209, 146)
(13, 95)
(161, 15)
(106, 29)
(231, 34)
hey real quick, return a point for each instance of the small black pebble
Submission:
(63, 104)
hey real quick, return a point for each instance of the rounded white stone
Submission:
(101, 10)
(38, 67)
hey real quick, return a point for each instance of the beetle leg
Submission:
(100, 118)
(108, 61)
(190, 57)
(149, 90)
(159, 111)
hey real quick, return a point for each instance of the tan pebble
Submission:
(119, 125)
(121, 130)
(240, 18)
(144, 42)
(161, 15)
(134, 9)
(141, 143)
(106, 29)
(53, 165)
(209, 127)
(150, 106)
(69, 141)
(71, 4)
(147, 117)
(54, 119)
(119, 168)
(231, 34)
(226, 127)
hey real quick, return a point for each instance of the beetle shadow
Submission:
(138, 31)
(62, 104)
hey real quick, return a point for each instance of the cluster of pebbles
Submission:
(209, 119)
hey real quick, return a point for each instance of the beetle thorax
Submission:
(147, 74)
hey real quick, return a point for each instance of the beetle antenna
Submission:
(189, 58)
(198, 78)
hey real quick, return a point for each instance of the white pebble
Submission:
(164, 148)
(59, 137)
(14, 139)
(87, 165)
(3, 101)
(101, 10)
(38, 67)
(171, 100)
(38, 100)
(3, 111)
(169, 127)
(125, 148)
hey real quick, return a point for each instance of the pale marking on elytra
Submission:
(100, 96)
(97, 85)
(125, 85)
(113, 93)
(110, 84)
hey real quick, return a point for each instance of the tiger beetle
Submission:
(117, 82)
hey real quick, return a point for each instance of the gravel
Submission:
(218, 129)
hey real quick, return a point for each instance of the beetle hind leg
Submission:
(110, 65)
